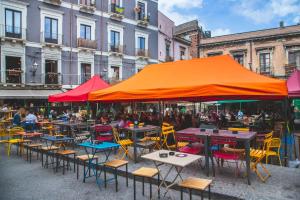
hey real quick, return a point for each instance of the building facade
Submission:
(171, 46)
(62, 43)
(273, 52)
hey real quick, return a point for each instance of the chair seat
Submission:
(257, 153)
(226, 156)
(34, 145)
(146, 172)
(181, 144)
(116, 163)
(271, 153)
(192, 149)
(50, 148)
(14, 141)
(66, 152)
(86, 157)
(195, 183)
(125, 142)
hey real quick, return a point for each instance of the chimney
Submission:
(281, 24)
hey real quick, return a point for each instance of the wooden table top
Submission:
(241, 135)
(142, 128)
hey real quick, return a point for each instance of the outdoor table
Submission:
(68, 125)
(242, 136)
(177, 162)
(53, 140)
(139, 130)
(92, 149)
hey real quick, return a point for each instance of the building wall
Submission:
(67, 53)
(278, 46)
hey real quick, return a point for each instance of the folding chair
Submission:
(273, 149)
(168, 138)
(124, 143)
(257, 155)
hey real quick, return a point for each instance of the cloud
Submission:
(266, 11)
(176, 9)
(296, 20)
(220, 31)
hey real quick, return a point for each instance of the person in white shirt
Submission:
(31, 118)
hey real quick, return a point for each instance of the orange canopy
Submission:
(205, 79)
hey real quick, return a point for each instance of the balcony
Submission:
(12, 33)
(88, 6)
(142, 18)
(12, 76)
(169, 58)
(90, 44)
(51, 39)
(143, 53)
(289, 69)
(116, 12)
(53, 2)
(115, 49)
(52, 78)
(266, 71)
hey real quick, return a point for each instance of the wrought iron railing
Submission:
(92, 44)
(115, 48)
(142, 52)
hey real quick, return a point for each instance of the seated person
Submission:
(17, 119)
(30, 121)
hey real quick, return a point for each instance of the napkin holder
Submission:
(215, 131)
(163, 155)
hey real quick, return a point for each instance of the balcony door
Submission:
(294, 58)
(115, 73)
(51, 72)
(264, 62)
(142, 12)
(13, 23)
(114, 41)
(51, 30)
(85, 32)
(85, 72)
(13, 69)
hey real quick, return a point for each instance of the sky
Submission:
(223, 17)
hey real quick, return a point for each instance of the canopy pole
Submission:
(286, 114)
(88, 109)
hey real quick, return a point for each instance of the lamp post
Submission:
(33, 70)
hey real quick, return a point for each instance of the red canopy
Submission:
(293, 84)
(81, 92)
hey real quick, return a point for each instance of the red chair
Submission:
(104, 133)
(222, 154)
(193, 144)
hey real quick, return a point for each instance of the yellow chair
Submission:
(168, 131)
(12, 140)
(256, 156)
(124, 143)
(239, 129)
(273, 149)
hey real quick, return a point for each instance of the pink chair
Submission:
(104, 133)
(194, 145)
(220, 153)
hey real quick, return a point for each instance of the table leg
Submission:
(206, 155)
(247, 157)
(134, 147)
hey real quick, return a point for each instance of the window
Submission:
(182, 53)
(294, 58)
(85, 72)
(264, 62)
(51, 30)
(214, 54)
(114, 39)
(239, 58)
(116, 6)
(13, 69)
(13, 23)
(51, 72)
(115, 72)
(141, 43)
(167, 49)
(142, 11)
(85, 32)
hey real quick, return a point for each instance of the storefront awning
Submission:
(27, 94)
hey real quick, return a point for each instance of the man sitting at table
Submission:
(30, 121)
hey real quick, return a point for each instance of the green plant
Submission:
(119, 10)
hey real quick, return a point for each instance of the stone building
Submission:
(274, 52)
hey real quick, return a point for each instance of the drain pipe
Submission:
(71, 45)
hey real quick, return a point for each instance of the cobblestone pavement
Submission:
(24, 181)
